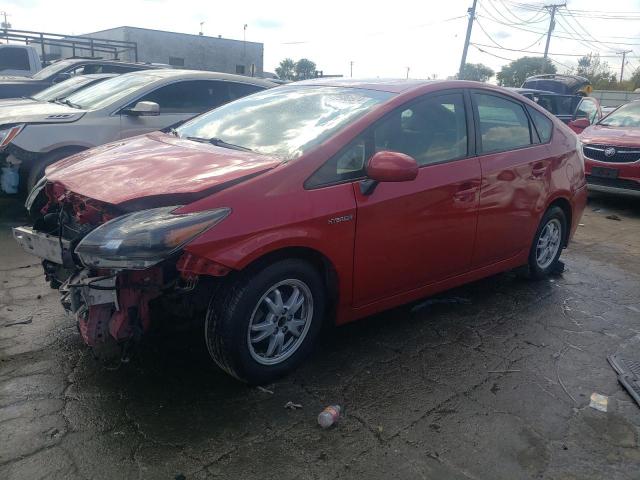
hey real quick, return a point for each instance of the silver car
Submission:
(35, 136)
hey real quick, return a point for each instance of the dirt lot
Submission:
(489, 381)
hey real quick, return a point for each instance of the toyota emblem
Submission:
(609, 152)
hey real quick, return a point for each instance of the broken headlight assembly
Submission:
(8, 134)
(142, 239)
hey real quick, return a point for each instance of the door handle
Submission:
(466, 191)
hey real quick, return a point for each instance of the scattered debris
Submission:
(21, 322)
(613, 217)
(329, 416)
(436, 301)
(265, 390)
(503, 371)
(599, 402)
(581, 224)
(292, 406)
(628, 374)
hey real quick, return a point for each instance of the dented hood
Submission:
(158, 166)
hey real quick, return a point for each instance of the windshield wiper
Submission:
(69, 103)
(218, 142)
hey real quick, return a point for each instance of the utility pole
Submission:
(244, 40)
(201, 32)
(408, 68)
(351, 69)
(552, 24)
(5, 25)
(472, 15)
(624, 56)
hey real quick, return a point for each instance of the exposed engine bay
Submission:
(113, 307)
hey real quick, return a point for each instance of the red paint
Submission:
(613, 137)
(455, 222)
(392, 167)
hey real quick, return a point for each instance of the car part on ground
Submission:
(315, 202)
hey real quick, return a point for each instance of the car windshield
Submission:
(62, 89)
(52, 69)
(110, 91)
(284, 121)
(626, 116)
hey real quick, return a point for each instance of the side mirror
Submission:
(61, 77)
(388, 166)
(579, 124)
(143, 109)
(392, 167)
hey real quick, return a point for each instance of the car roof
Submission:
(98, 75)
(103, 61)
(201, 75)
(539, 92)
(384, 85)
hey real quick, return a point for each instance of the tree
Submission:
(477, 72)
(305, 68)
(514, 74)
(635, 78)
(597, 71)
(286, 70)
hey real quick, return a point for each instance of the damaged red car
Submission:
(311, 203)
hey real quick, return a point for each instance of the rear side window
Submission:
(13, 59)
(543, 125)
(503, 124)
(239, 90)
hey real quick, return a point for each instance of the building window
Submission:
(176, 61)
(240, 69)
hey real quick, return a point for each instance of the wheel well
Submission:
(564, 204)
(319, 261)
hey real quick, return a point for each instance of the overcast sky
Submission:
(382, 41)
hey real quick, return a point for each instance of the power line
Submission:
(501, 46)
(541, 53)
(540, 15)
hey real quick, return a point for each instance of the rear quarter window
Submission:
(543, 125)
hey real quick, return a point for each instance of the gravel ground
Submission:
(489, 381)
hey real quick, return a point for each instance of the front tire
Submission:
(265, 321)
(548, 243)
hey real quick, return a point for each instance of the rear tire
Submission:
(548, 243)
(266, 320)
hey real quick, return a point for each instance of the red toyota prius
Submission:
(309, 203)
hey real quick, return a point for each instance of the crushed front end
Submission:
(117, 270)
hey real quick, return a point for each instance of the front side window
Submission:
(626, 116)
(503, 124)
(193, 96)
(285, 121)
(587, 109)
(432, 130)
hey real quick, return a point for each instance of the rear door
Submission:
(178, 102)
(515, 177)
(414, 233)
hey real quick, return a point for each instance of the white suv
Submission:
(35, 136)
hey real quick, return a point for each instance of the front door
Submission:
(414, 233)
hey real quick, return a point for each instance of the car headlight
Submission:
(142, 239)
(8, 134)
